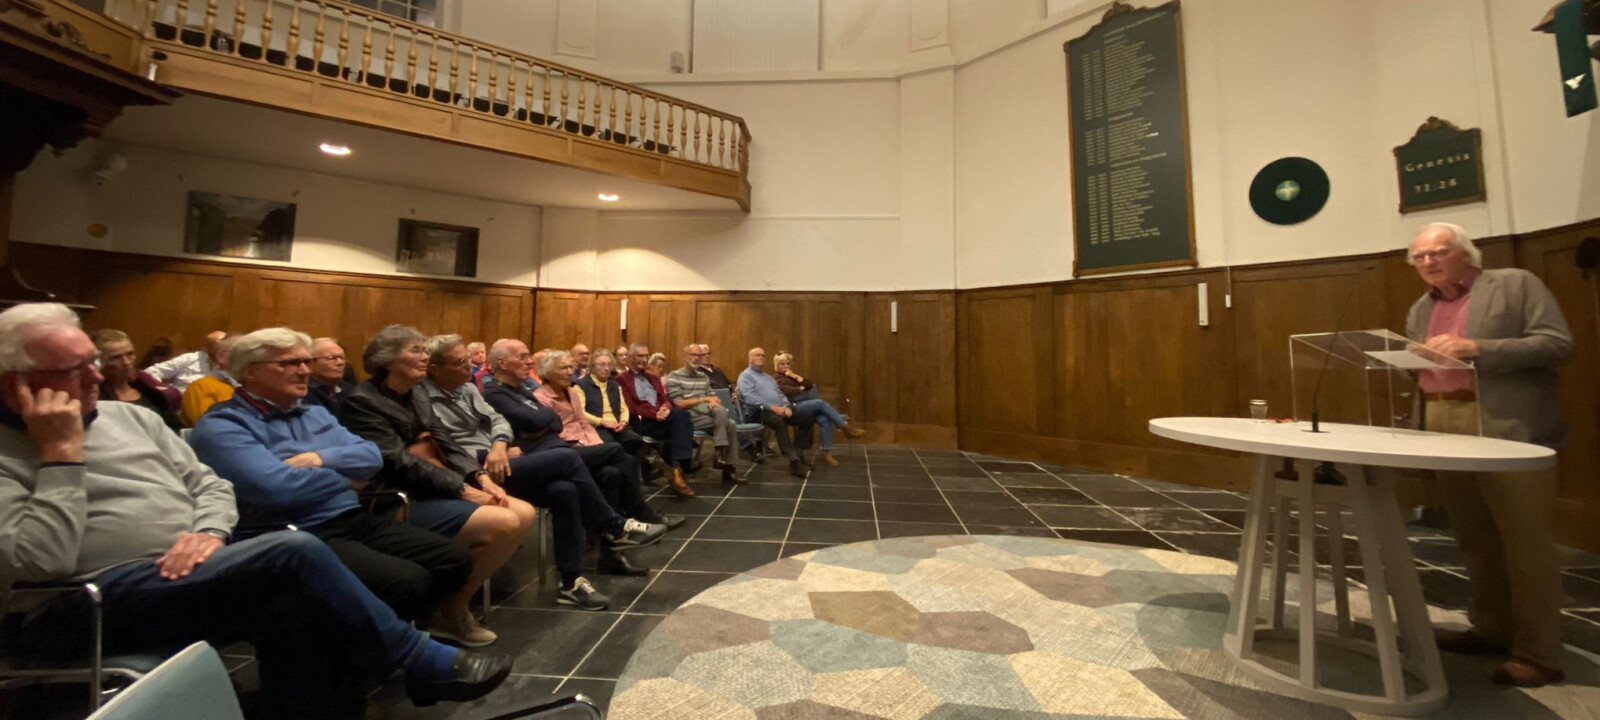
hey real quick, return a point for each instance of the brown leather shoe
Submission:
(679, 486)
(1466, 642)
(827, 459)
(851, 431)
(1526, 673)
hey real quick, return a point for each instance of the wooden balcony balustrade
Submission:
(340, 61)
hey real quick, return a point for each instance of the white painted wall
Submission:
(340, 224)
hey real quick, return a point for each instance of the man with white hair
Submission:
(294, 464)
(108, 494)
(1507, 323)
(188, 367)
(327, 386)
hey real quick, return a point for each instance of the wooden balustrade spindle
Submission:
(344, 45)
(388, 55)
(612, 123)
(266, 31)
(433, 65)
(240, 15)
(292, 45)
(697, 117)
(527, 100)
(147, 24)
(511, 86)
(366, 51)
(583, 86)
(563, 101)
(655, 133)
(180, 17)
(671, 133)
(596, 124)
(455, 69)
(211, 22)
(318, 35)
(411, 63)
(628, 114)
(494, 79)
(472, 78)
(545, 110)
(722, 142)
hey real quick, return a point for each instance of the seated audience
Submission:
(657, 366)
(216, 386)
(655, 416)
(477, 352)
(606, 410)
(107, 493)
(604, 458)
(623, 359)
(803, 393)
(580, 361)
(291, 463)
(557, 479)
(449, 491)
(328, 386)
(761, 398)
(125, 383)
(188, 367)
(531, 381)
(719, 380)
(159, 351)
(691, 391)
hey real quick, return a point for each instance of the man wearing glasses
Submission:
(690, 390)
(293, 464)
(1507, 323)
(328, 386)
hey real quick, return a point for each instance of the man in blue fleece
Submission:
(293, 464)
(111, 495)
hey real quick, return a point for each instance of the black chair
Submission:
(97, 670)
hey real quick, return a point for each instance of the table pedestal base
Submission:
(1403, 635)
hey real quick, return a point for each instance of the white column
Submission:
(577, 34)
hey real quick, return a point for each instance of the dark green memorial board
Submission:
(1441, 165)
(1132, 197)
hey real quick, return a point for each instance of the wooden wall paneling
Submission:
(181, 305)
(926, 349)
(564, 319)
(851, 334)
(883, 364)
(304, 306)
(1553, 258)
(1005, 352)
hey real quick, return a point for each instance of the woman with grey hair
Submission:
(450, 492)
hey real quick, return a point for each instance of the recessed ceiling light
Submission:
(609, 197)
(335, 150)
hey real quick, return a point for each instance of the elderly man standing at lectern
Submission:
(1508, 324)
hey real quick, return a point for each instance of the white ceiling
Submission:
(237, 131)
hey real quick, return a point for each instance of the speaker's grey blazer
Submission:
(1522, 339)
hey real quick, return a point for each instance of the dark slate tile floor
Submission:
(882, 492)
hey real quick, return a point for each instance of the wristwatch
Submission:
(218, 534)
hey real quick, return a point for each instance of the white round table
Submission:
(1287, 456)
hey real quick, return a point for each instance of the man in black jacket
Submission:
(328, 386)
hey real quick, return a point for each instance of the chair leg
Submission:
(96, 658)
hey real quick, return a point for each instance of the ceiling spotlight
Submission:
(335, 150)
(609, 197)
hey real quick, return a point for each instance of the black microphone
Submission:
(1338, 332)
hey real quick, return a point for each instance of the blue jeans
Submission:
(828, 419)
(285, 592)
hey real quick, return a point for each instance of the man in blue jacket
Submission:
(293, 464)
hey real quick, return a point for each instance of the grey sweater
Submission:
(139, 488)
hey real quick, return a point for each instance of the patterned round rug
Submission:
(980, 627)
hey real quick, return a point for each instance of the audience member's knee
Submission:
(526, 513)
(499, 523)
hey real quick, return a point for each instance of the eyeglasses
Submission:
(415, 350)
(330, 358)
(1418, 258)
(88, 364)
(286, 363)
(463, 362)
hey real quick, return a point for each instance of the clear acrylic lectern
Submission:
(1366, 377)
